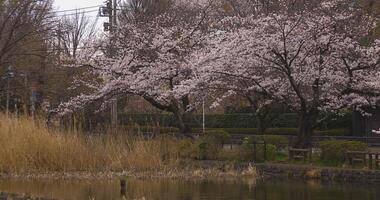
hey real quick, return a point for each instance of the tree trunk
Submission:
(259, 118)
(183, 123)
(305, 129)
(260, 124)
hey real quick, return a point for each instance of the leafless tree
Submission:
(73, 33)
(20, 20)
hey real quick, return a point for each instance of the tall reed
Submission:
(27, 146)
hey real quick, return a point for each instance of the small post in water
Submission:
(123, 187)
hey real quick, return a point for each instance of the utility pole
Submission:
(113, 19)
(110, 11)
(110, 19)
(115, 13)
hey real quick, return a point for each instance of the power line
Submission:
(75, 9)
(78, 48)
(71, 14)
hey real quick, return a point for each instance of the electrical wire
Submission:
(76, 9)
(84, 12)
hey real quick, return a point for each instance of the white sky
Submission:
(72, 4)
(60, 5)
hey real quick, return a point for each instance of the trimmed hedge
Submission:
(218, 136)
(211, 143)
(244, 120)
(247, 131)
(334, 132)
(334, 151)
(284, 131)
(239, 120)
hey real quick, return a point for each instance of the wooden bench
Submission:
(356, 156)
(295, 154)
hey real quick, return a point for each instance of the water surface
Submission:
(239, 189)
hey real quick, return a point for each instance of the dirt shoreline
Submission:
(215, 169)
(195, 170)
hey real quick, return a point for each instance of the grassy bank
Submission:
(27, 146)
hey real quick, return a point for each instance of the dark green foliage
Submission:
(334, 151)
(187, 149)
(207, 150)
(271, 152)
(239, 122)
(285, 120)
(254, 131)
(211, 143)
(281, 131)
(335, 121)
(248, 149)
(288, 131)
(334, 132)
(244, 120)
(280, 142)
(248, 131)
(218, 136)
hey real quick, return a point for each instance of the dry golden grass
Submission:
(27, 146)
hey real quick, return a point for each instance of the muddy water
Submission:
(193, 190)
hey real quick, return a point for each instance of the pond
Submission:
(147, 189)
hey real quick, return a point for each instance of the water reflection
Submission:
(246, 189)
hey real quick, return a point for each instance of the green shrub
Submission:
(207, 150)
(334, 151)
(211, 143)
(218, 136)
(187, 149)
(281, 142)
(247, 149)
(271, 152)
(252, 139)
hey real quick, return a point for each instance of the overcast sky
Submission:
(72, 4)
(60, 5)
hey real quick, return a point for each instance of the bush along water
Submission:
(211, 144)
(334, 151)
(256, 149)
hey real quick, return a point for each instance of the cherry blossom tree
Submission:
(311, 61)
(150, 59)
